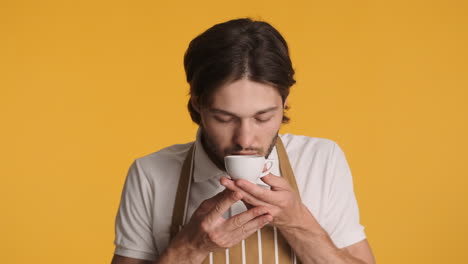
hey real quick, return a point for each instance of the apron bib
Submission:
(267, 245)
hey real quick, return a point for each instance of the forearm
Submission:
(180, 252)
(312, 244)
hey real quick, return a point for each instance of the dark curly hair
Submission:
(233, 50)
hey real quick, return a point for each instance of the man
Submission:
(178, 206)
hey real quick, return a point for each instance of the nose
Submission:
(244, 135)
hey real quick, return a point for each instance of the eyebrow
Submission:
(220, 111)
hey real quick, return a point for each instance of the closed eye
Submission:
(264, 117)
(223, 120)
(262, 120)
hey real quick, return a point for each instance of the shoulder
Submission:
(167, 160)
(168, 153)
(305, 145)
(313, 158)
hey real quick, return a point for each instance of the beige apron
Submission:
(267, 245)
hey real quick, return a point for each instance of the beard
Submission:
(217, 155)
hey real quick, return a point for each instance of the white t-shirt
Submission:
(145, 213)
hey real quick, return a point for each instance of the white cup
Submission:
(247, 167)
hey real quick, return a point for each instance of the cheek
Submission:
(268, 133)
(273, 127)
(220, 134)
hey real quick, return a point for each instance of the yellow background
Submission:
(88, 86)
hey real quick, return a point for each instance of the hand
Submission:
(208, 231)
(282, 202)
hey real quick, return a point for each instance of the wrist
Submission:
(180, 251)
(305, 228)
(305, 223)
(308, 239)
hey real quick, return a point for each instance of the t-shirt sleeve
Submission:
(342, 212)
(133, 224)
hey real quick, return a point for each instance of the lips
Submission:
(244, 153)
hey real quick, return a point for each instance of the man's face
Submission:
(243, 118)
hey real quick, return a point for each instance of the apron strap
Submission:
(182, 190)
(285, 165)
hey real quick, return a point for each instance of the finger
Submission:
(276, 182)
(241, 219)
(253, 225)
(247, 198)
(225, 181)
(210, 203)
(249, 206)
(231, 185)
(223, 202)
(256, 191)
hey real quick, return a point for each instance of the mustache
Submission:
(239, 148)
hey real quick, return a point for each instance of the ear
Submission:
(285, 102)
(194, 103)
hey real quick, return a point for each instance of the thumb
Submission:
(275, 181)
